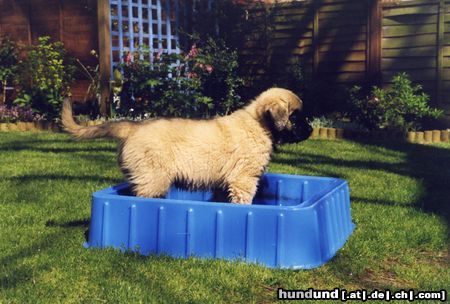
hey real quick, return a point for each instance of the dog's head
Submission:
(282, 111)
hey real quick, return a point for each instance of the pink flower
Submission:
(192, 75)
(205, 67)
(209, 68)
(158, 55)
(128, 58)
(193, 52)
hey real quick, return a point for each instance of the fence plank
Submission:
(343, 32)
(446, 74)
(408, 63)
(315, 46)
(416, 75)
(343, 66)
(104, 36)
(396, 3)
(440, 53)
(408, 30)
(410, 41)
(409, 52)
(413, 10)
(343, 7)
(409, 19)
(342, 56)
(361, 37)
(347, 46)
(350, 78)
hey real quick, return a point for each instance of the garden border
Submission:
(41, 126)
(421, 137)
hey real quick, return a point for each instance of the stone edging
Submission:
(40, 126)
(432, 136)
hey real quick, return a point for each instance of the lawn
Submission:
(400, 195)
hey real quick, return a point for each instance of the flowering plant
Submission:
(15, 113)
(190, 84)
(45, 77)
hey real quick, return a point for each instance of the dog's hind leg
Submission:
(242, 190)
(151, 185)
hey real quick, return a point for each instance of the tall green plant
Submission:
(9, 59)
(46, 75)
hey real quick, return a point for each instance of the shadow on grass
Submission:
(84, 223)
(70, 224)
(21, 273)
(39, 146)
(429, 164)
(35, 177)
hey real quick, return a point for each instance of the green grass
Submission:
(400, 196)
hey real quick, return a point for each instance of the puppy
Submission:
(228, 153)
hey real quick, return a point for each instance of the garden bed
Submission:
(40, 126)
(429, 136)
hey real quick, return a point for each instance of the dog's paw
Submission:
(241, 198)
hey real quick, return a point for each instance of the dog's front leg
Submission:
(242, 190)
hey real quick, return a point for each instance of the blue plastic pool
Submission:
(294, 222)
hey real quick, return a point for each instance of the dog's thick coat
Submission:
(229, 152)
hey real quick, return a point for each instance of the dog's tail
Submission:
(117, 129)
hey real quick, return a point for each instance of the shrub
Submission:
(164, 87)
(45, 76)
(9, 59)
(403, 106)
(219, 75)
(201, 83)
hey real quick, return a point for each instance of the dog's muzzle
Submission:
(300, 131)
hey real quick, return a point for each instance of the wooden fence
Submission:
(415, 39)
(345, 41)
(72, 22)
(365, 41)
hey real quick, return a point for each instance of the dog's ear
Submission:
(278, 114)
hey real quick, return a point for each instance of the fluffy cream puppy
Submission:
(228, 153)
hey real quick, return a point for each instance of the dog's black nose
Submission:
(305, 130)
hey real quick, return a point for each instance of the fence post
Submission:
(440, 51)
(373, 55)
(315, 42)
(104, 45)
